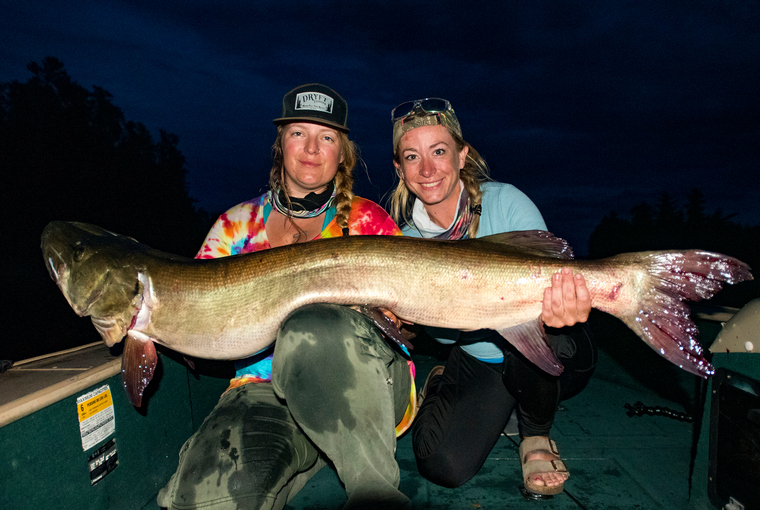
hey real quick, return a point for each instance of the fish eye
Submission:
(78, 254)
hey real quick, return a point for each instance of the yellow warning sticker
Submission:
(96, 416)
(94, 405)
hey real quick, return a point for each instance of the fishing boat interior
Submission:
(642, 434)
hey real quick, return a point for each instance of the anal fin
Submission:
(137, 365)
(530, 339)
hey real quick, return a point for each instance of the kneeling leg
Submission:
(246, 454)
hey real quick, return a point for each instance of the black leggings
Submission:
(467, 408)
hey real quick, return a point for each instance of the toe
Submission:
(553, 479)
(548, 479)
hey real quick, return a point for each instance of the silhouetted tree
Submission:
(643, 217)
(67, 153)
(669, 227)
(695, 208)
(669, 222)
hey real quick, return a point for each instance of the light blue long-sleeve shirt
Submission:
(504, 209)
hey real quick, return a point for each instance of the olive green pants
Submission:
(337, 388)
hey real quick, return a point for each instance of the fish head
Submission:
(97, 272)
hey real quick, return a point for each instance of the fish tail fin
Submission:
(658, 313)
(138, 362)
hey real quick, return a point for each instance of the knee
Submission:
(580, 368)
(586, 349)
(310, 335)
(437, 463)
(312, 343)
(443, 470)
(321, 323)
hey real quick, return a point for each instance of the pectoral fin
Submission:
(137, 365)
(530, 339)
(389, 328)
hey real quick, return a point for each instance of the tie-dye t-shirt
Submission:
(241, 228)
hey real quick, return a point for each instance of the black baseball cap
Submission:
(314, 103)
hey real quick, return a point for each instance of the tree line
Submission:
(69, 153)
(668, 226)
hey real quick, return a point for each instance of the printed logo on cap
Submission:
(314, 101)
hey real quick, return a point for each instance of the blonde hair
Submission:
(344, 178)
(475, 172)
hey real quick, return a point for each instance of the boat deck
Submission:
(615, 461)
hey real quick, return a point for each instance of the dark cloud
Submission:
(586, 106)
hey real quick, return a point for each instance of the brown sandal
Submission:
(536, 444)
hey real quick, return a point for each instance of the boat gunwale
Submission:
(33, 402)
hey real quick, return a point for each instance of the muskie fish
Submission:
(232, 307)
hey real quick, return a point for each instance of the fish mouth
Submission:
(60, 275)
(56, 263)
(98, 290)
(94, 297)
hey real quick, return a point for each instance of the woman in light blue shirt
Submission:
(444, 192)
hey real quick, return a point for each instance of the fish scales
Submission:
(232, 307)
(377, 275)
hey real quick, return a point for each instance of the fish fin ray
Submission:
(662, 319)
(388, 327)
(535, 242)
(138, 363)
(530, 339)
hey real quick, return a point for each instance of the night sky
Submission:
(585, 106)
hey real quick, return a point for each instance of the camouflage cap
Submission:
(423, 112)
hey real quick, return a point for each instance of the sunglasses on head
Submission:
(427, 105)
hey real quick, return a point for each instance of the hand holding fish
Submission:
(567, 301)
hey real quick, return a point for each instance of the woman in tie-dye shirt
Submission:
(331, 388)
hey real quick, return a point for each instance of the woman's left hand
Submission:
(567, 301)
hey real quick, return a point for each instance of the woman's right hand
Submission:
(567, 302)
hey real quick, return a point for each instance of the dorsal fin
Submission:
(536, 242)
